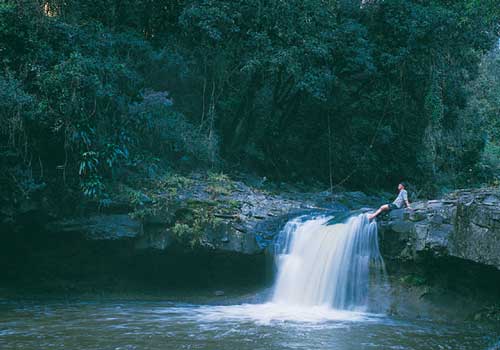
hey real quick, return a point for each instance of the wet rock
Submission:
(156, 237)
(397, 214)
(223, 237)
(403, 227)
(465, 224)
(100, 227)
(221, 214)
(416, 216)
(437, 219)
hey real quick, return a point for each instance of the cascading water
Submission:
(327, 272)
(334, 265)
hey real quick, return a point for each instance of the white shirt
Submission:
(401, 199)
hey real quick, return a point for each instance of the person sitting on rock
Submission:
(398, 203)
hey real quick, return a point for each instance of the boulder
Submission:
(464, 224)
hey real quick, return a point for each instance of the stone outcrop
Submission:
(464, 224)
(100, 227)
(235, 217)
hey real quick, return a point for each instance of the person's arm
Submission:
(405, 197)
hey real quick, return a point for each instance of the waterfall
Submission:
(334, 265)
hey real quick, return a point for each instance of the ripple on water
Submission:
(272, 312)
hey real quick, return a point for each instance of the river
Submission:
(160, 325)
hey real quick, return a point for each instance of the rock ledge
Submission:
(464, 224)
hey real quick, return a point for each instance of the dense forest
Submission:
(359, 94)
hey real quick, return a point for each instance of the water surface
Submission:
(158, 325)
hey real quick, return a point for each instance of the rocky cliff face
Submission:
(235, 218)
(243, 219)
(205, 231)
(464, 224)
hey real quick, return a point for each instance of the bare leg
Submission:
(381, 209)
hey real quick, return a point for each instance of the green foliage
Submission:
(184, 233)
(301, 89)
(481, 122)
(297, 85)
(219, 184)
(172, 183)
(92, 186)
(491, 161)
(192, 224)
(169, 132)
(15, 109)
(79, 99)
(218, 177)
